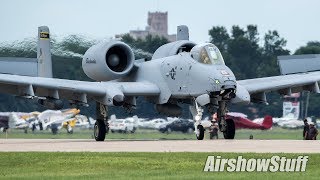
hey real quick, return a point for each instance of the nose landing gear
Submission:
(197, 113)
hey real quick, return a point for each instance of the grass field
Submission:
(275, 133)
(35, 165)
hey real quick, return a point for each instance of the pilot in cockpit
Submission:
(204, 56)
(207, 54)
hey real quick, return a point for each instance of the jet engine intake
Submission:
(108, 61)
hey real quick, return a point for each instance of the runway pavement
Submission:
(72, 145)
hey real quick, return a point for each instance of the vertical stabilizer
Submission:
(182, 33)
(267, 122)
(43, 52)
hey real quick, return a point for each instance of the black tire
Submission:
(133, 130)
(70, 132)
(54, 130)
(230, 129)
(99, 131)
(200, 133)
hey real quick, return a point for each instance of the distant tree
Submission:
(152, 43)
(144, 48)
(75, 43)
(219, 37)
(244, 51)
(274, 44)
(252, 34)
(237, 32)
(312, 47)
(23, 48)
(128, 39)
(149, 44)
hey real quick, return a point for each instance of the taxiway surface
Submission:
(77, 145)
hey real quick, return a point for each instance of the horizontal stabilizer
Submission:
(40, 66)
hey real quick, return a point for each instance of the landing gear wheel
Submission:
(200, 132)
(230, 129)
(70, 131)
(99, 130)
(54, 130)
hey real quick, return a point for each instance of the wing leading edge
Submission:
(285, 85)
(73, 90)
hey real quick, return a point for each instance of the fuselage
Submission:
(180, 76)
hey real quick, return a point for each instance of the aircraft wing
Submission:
(58, 121)
(285, 84)
(72, 89)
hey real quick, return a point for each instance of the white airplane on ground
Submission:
(41, 121)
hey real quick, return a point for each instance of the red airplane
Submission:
(242, 122)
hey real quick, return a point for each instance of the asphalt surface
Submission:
(79, 145)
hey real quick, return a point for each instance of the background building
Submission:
(157, 25)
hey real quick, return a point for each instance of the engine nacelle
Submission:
(173, 48)
(108, 61)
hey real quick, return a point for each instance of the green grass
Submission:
(275, 133)
(35, 165)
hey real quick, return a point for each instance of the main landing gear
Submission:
(101, 126)
(230, 129)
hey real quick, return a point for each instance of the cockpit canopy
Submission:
(207, 54)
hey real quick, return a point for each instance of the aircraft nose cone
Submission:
(229, 84)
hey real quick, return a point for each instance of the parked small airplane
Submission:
(241, 121)
(54, 120)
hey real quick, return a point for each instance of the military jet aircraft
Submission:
(179, 72)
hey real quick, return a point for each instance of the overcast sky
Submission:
(296, 20)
